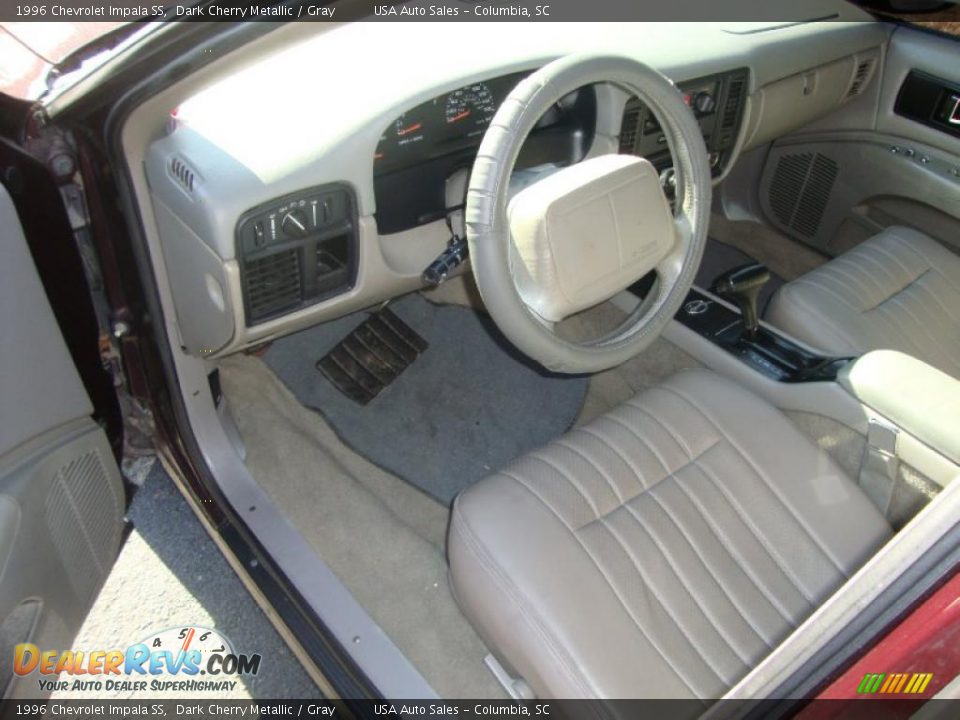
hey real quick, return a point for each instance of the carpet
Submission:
(465, 408)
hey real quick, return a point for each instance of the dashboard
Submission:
(430, 142)
(272, 218)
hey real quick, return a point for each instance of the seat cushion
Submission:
(900, 290)
(660, 551)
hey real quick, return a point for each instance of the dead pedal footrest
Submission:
(372, 356)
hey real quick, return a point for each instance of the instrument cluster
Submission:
(443, 125)
(422, 148)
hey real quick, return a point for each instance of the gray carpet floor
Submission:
(467, 406)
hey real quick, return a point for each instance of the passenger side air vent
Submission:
(182, 173)
(731, 109)
(800, 189)
(272, 283)
(861, 77)
(629, 127)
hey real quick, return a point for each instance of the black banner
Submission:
(418, 10)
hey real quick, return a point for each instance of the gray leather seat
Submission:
(900, 290)
(660, 551)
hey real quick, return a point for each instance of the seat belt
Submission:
(879, 466)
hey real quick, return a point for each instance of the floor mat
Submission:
(465, 408)
(719, 257)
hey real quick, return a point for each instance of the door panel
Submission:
(839, 182)
(933, 55)
(61, 496)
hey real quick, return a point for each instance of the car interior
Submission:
(581, 360)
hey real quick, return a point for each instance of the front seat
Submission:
(900, 290)
(660, 551)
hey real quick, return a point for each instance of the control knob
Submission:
(704, 103)
(295, 223)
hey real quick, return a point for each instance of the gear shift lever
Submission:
(743, 285)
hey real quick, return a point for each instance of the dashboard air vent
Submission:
(860, 78)
(273, 283)
(731, 109)
(800, 190)
(183, 174)
(629, 127)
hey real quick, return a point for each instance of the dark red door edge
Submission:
(926, 641)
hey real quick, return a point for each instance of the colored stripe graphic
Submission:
(894, 683)
(870, 683)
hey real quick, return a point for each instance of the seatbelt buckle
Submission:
(882, 436)
(879, 467)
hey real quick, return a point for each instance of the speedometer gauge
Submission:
(407, 126)
(473, 102)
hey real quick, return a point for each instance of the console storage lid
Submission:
(915, 396)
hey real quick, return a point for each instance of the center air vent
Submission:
(629, 127)
(800, 189)
(731, 108)
(273, 284)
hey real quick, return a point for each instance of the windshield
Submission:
(29, 50)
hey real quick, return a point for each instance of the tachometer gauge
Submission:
(473, 102)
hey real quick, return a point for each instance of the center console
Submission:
(740, 334)
(765, 350)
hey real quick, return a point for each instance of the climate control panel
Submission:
(296, 251)
(294, 218)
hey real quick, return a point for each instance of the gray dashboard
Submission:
(307, 121)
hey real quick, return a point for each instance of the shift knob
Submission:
(743, 285)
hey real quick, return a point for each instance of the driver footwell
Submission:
(466, 406)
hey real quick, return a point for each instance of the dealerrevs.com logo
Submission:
(185, 659)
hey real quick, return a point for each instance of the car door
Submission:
(890, 155)
(62, 501)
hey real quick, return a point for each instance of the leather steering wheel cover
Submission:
(488, 231)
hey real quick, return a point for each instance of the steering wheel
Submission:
(589, 231)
